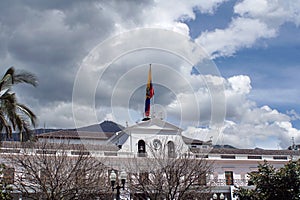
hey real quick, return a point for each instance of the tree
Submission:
(58, 171)
(13, 115)
(165, 175)
(5, 183)
(271, 183)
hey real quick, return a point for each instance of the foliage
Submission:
(13, 115)
(271, 183)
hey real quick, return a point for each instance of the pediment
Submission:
(153, 124)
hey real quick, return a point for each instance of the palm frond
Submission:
(7, 80)
(5, 125)
(25, 110)
(15, 116)
(25, 77)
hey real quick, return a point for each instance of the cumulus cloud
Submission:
(255, 20)
(51, 39)
(246, 125)
(241, 33)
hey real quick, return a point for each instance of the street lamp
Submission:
(215, 196)
(113, 179)
(222, 196)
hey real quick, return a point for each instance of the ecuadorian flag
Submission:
(149, 93)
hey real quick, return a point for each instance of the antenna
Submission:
(294, 147)
(161, 115)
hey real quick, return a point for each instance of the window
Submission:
(45, 176)
(80, 176)
(77, 153)
(108, 153)
(280, 157)
(201, 156)
(141, 148)
(255, 157)
(10, 150)
(46, 151)
(228, 156)
(229, 177)
(144, 177)
(202, 179)
(9, 175)
(171, 150)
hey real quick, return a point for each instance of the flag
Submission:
(149, 93)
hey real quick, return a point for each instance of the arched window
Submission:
(171, 149)
(141, 148)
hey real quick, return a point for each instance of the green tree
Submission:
(271, 183)
(15, 116)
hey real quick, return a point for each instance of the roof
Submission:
(154, 124)
(65, 146)
(150, 126)
(119, 138)
(74, 134)
(105, 126)
(253, 151)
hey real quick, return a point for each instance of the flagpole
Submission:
(153, 111)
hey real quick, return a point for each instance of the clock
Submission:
(157, 144)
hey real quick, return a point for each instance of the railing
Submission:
(223, 182)
(142, 154)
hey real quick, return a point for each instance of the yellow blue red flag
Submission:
(149, 93)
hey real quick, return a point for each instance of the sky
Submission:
(221, 68)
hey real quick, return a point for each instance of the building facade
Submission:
(230, 165)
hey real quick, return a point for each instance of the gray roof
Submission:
(119, 138)
(73, 134)
(56, 146)
(253, 151)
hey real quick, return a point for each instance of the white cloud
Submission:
(293, 114)
(273, 13)
(256, 19)
(241, 33)
(56, 115)
(51, 40)
(246, 125)
(209, 6)
(240, 84)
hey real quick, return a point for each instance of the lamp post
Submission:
(113, 179)
(222, 197)
(215, 196)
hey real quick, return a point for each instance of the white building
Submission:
(230, 165)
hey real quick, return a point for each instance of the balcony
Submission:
(222, 182)
(141, 154)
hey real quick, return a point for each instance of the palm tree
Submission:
(13, 115)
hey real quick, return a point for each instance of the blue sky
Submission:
(272, 64)
(273, 67)
(255, 45)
